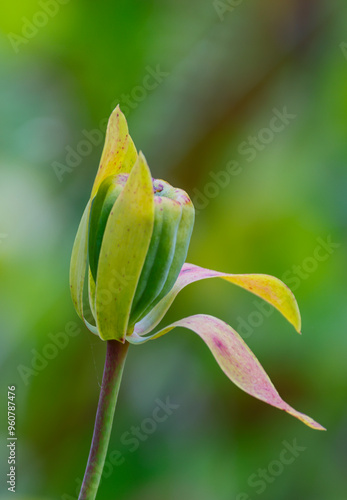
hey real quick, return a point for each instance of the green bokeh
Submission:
(219, 83)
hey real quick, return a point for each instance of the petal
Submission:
(267, 287)
(91, 292)
(119, 153)
(123, 251)
(78, 264)
(235, 359)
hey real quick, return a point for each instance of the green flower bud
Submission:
(172, 229)
(132, 239)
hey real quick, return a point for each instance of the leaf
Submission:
(79, 262)
(267, 287)
(235, 359)
(119, 153)
(123, 251)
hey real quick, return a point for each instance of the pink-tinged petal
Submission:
(267, 287)
(235, 359)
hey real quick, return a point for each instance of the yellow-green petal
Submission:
(123, 251)
(119, 153)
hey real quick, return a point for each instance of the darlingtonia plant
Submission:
(129, 253)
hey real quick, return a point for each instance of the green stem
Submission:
(114, 364)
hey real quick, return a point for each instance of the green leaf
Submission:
(235, 359)
(267, 287)
(123, 251)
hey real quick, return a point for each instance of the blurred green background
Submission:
(200, 83)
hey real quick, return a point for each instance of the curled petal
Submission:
(78, 264)
(78, 268)
(267, 287)
(235, 359)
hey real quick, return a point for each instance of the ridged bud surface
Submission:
(172, 229)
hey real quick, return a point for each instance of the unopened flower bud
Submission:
(172, 228)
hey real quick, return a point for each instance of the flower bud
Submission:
(132, 239)
(168, 246)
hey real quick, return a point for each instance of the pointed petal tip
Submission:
(116, 110)
(298, 326)
(142, 157)
(141, 163)
(305, 419)
(117, 121)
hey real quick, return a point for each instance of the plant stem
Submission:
(115, 358)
